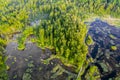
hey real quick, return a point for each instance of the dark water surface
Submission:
(29, 64)
(107, 59)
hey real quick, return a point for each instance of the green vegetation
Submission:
(29, 70)
(26, 76)
(112, 36)
(112, 21)
(113, 48)
(3, 67)
(61, 26)
(58, 70)
(118, 78)
(89, 40)
(91, 73)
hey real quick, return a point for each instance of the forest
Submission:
(58, 25)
